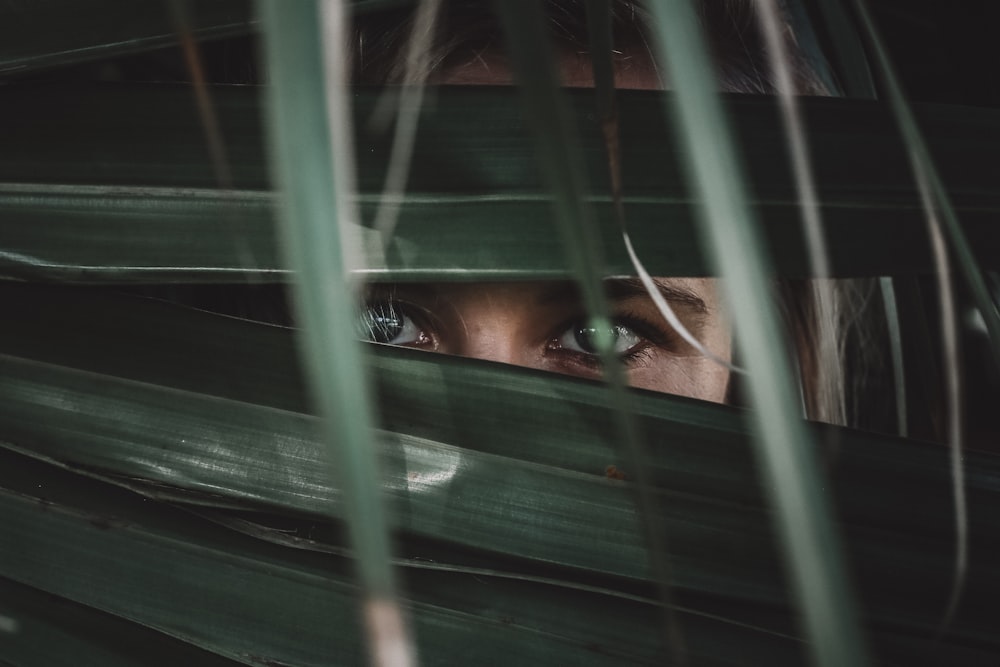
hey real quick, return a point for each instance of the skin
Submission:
(542, 325)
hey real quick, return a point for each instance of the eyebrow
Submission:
(623, 288)
(626, 288)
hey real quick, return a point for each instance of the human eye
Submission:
(581, 341)
(392, 323)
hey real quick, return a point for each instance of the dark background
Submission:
(945, 50)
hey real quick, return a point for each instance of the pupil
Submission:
(587, 339)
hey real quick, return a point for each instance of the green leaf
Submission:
(923, 168)
(845, 46)
(259, 603)
(47, 631)
(161, 482)
(305, 119)
(45, 34)
(88, 194)
(50, 33)
(560, 164)
(811, 546)
(805, 29)
(518, 458)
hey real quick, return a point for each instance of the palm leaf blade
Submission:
(169, 222)
(52, 33)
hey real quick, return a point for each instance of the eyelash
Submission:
(651, 336)
(388, 307)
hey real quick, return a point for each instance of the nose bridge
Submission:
(489, 335)
(489, 326)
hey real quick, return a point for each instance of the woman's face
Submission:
(543, 325)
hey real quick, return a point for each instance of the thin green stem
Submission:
(304, 125)
(735, 246)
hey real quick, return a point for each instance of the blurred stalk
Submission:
(929, 181)
(313, 169)
(733, 241)
(599, 34)
(219, 156)
(942, 227)
(560, 160)
(848, 53)
(411, 99)
(896, 350)
(599, 19)
(199, 85)
(802, 26)
(828, 400)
